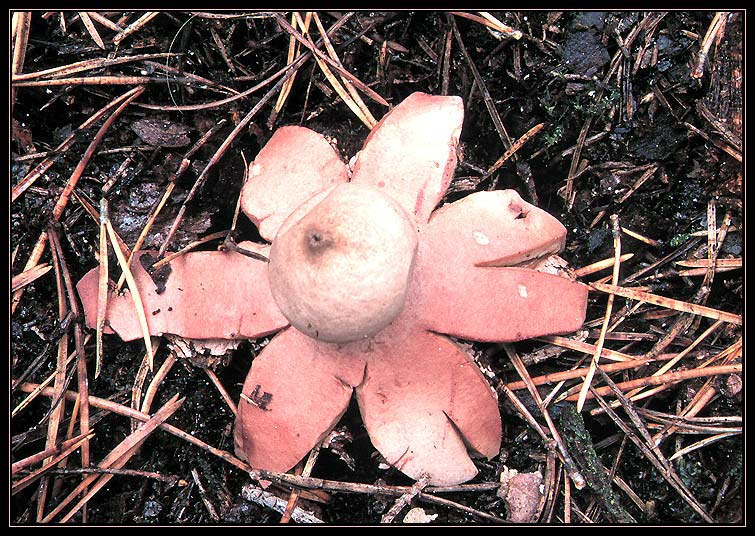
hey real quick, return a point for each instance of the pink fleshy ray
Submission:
(196, 303)
(495, 228)
(411, 153)
(423, 402)
(496, 304)
(294, 164)
(299, 389)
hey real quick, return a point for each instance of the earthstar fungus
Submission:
(365, 283)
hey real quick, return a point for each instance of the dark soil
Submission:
(650, 111)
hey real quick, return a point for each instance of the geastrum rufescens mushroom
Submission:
(366, 281)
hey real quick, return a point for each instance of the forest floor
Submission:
(633, 114)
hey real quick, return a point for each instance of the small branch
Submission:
(205, 499)
(405, 499)
(171, 480)
(716, 28)
(268, 500)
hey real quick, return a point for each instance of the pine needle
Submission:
(134, 292)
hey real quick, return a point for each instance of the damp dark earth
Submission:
(139, 127)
